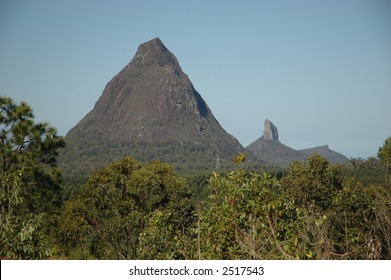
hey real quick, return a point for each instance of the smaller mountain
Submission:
(270, 149)
(325, 151)
(273, 151)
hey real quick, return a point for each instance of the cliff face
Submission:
(150, 100)
(270, 131)
(152, 103)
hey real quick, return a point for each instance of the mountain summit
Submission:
(151, 110)
(154, 52)
(270, 131)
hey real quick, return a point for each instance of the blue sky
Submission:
(319, 70)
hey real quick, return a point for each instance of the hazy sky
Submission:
(319, 70)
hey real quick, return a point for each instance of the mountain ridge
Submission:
(269, 148)
(151, 110)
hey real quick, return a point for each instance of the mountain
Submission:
(150, 110)
(269, 148)
(273, 151)
(325, 151)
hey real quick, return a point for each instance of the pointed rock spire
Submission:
(270, 131)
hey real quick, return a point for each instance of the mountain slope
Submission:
(275, 152)
(150, 110)
(325, 151)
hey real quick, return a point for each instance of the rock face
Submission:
(151, 110)
(150, 100)
(270, 132)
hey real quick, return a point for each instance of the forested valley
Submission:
(134, 210)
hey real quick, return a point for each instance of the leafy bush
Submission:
(313, 212)
(118, 208)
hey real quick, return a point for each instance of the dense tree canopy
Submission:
(385, 153)
(134, 210)
(313, 212)
(33, 147)
(124, 205)
(29, 181)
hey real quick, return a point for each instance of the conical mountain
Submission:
(150, 110)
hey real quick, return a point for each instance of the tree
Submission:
(247, 217)
(348, 218)
(29, 181)
(314, 184)
(32, 147)
(121, 210)
(21, 237)
(313, 212)
(385, 153)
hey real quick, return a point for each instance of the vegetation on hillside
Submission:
(187, 156)
(133, 210)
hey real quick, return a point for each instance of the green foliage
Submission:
(348, 229)
(198, 187)
(370, 171)
(29, 182)
(131, 210)
(385, 153)
(21, 237)
(72, 185)
(33, 147)
(117, 211)
(313, 212)
(350, 221)
(247, 218)
(84, 156)
(314, 184)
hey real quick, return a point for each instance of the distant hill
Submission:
(325, 151)
(149, 110)
(273, 151)
(269, 148)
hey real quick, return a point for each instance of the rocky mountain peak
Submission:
(154, 51)
(151, 110)
(270, 131)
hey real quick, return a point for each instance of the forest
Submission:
(134, 210)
